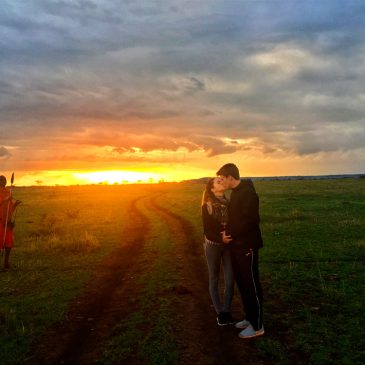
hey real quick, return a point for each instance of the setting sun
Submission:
(117, 177)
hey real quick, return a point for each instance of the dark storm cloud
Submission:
(329, 141)
(217, 69)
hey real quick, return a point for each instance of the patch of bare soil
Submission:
(107, 299)
(200, 339)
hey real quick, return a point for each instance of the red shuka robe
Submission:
(7, 208)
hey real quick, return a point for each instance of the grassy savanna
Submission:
(61, 233)
(312, 268)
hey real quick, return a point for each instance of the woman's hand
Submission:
(226, 239)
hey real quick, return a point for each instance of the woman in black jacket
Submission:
(215, 219)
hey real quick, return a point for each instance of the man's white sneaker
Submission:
(242, 324)
(249, 332)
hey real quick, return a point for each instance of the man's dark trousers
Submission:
(246, 272)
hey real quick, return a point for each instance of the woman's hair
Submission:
(208, 194)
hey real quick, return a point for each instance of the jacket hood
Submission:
(245, 184)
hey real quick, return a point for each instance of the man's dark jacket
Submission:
(244, 218)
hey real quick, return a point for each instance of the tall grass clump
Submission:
(49, 224)
(55, 233)
(73, 243)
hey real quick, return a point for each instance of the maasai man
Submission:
(7, 208)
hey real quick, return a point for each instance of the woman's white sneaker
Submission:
(242, 324)
(249, 332)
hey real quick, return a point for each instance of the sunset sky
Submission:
(173, 89)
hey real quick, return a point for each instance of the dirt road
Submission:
(110, 296)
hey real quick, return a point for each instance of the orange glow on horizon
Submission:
(104, 177)
(117, 177)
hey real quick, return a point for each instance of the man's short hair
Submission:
(229, 169)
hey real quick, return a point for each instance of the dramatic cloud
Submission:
(4, 153)
(134, 80)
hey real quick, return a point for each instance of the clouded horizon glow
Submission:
(173, 89)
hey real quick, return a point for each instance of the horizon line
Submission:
(269, 177)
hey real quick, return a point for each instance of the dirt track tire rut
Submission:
(110, 297)
(90, 319)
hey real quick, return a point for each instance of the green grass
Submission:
(60, 234)
(312, 268)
